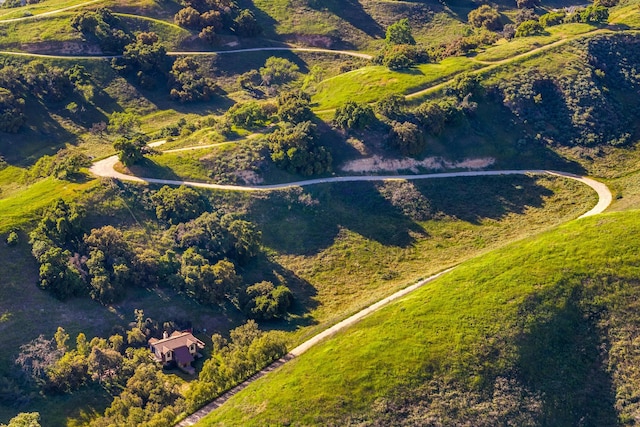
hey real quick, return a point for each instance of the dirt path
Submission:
(268, 49)
(105, 168)
(51, 12)
(195, 53)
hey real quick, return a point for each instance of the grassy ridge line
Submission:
(430, 331)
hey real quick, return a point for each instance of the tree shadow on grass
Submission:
(305, 221)
(264, 268)
(474, 199)
(147, 168)
(560, 357)
(352, 12)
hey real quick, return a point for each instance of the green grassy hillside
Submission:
(564, 99)
(538, 333)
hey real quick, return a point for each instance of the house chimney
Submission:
(165, 335)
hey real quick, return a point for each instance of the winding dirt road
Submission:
(105, 168)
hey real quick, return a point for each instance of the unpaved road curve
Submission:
(268, 49)
(194, 53)
(105, 168)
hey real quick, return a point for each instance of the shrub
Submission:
(353, 115)
(529, 28)
(400, 33)
(552, 18)
(407, 137)
(12, 239)
(485, 17)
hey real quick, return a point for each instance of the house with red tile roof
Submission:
(179, 348)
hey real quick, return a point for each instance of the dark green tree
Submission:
(293, 148)
(176, 205)
(132, 149)
(400, 33)
(353, 115)
(408, 138)
(11, 111)
(246, 25)
(294, 106)
(188, 82)
(485, 17)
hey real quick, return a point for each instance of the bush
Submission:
(12, 239)
(294, 107)
(485, 17)
(529, 28)
(391, 106)
(264, 301)
(278, 71)
(293, 149)
(353, 115)
(247, 115)
(552, 18)
(408, 138)
(400, 33)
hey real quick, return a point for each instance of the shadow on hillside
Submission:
(40, 135)
(559, 356)
(147, 168)
(304, 292)
(474, 199)
(308, 220)
(352, 12)
(267, 23)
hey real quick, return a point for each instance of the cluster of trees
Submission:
(592, 14)
(48, 84)
(125, 368)
(206, 250)
(146, 58)
(58, 368)
(65, 164)
(294, 148)
(121, 364)
(408, 129)
(189, 82)
(400, 50)
(213, 17)
(104, 27)
(275, 73)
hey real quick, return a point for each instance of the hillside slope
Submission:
(540, 333)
